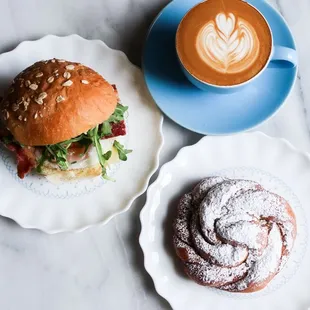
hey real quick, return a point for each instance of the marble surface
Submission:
(102, 268)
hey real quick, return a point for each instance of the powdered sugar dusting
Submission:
(264, 267)
(200, 269)
(222, 254)
(205, 272)
(213, 205)
(203, 187)
(181, 225)
(251, 233)
(268, 206)
(233, 234)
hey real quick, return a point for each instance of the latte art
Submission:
(223, 42)
(228, 44)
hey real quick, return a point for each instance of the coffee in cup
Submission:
(224, 42)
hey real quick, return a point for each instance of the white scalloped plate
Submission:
(36, 203)
(279, 167)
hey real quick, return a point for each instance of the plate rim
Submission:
(150, 193)
(153, 168)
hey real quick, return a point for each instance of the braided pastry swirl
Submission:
(233, 234)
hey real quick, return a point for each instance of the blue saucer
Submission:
(208, 112)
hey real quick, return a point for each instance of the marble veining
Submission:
(102, 268)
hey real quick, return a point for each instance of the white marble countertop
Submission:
(102, 268)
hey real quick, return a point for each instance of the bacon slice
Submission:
(118, 129)
(76, 152)
(25, 158)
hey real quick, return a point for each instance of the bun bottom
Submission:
(56, 175)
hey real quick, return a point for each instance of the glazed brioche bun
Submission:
(56, 100)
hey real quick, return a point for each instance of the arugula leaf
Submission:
(122, 152)
(93, 135)
(44, 157)
(107, 155)
(79, 139)
(63, 163)
(105, 129)
(118, 114)
(59, 153)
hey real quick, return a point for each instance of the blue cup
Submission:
(284, 57)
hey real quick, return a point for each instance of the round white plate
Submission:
(279, 167)
(35, 202)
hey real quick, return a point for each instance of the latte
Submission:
(224, 42)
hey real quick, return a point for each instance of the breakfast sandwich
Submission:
(63, 118)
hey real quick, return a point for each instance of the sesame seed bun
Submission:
(56, 100)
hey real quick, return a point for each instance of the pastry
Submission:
(233, 234)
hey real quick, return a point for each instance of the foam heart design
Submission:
(228, 44)
(226, 24)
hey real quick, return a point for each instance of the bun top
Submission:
(56, 100)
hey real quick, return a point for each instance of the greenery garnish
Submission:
(107, 155)
(94, 136)
(105, 129)
(118, 114)
(122, 152)
(58, 153)
(42, 160)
